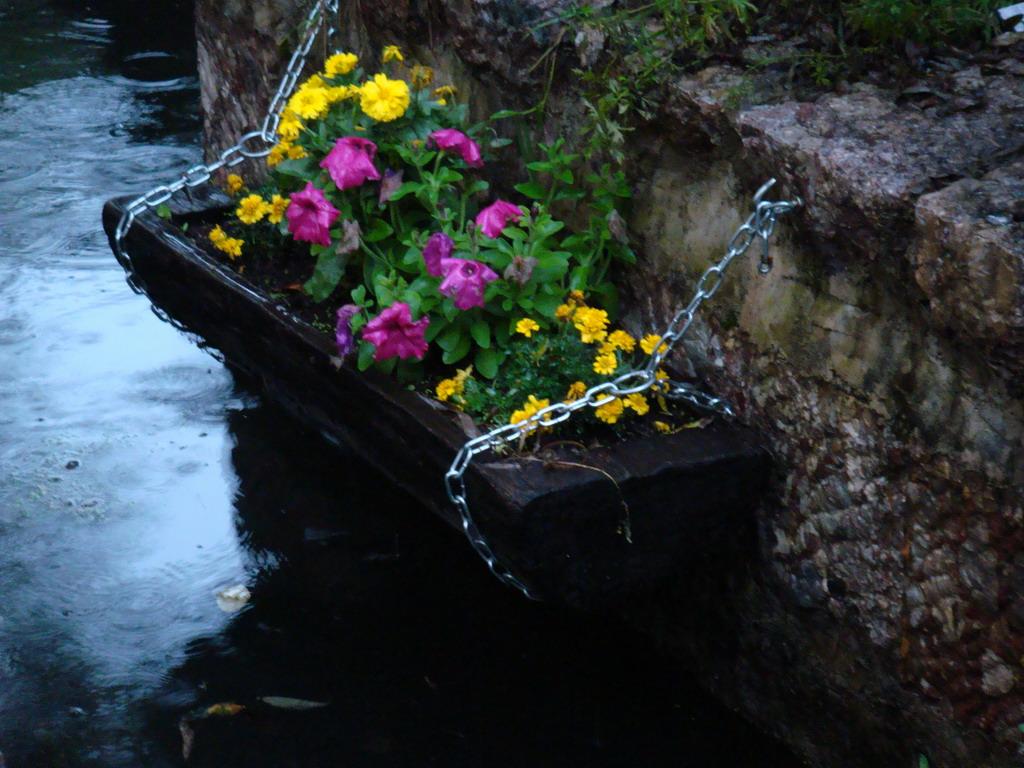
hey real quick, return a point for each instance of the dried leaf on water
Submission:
(224, 709)
(286, 702)
(188, 737)
(234, 598)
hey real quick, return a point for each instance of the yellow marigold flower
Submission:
(384, 99)
(443, 102)
(234, 184)
(638, 403)
(591, 323)
(622, 340)
(461, 374)
(576, 390)
(445, 91)
(278, 205)
(662, 427)
(649, 342)
(278, 153)
(309, 103)
(342, 93)
(340, 64)
(314, 81)
(290, 126)
(232, 246)
(530, 407)
(526, 326)
(252, 209)
(610, 413)
(447, 388)
(392, 53)
(564, 311)
(605, 364)
(217, 235)
(422, 76)
(295, 152)
(577, 297)
(661, 383)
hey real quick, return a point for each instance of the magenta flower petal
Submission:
(451, 140)
(465, 281)
(394, 333)
(350, 162)
(438, 248)
(496, 216)
(343, 330)
(310, 216)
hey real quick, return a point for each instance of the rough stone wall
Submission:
(878, 613)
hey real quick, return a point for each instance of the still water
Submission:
(137, 477)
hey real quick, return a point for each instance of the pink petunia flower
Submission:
(451, 140)
(394, 334)
(310, 216)
(350, 163)
(343, 330)
(465, 281)
(439, 247)
(496, 216)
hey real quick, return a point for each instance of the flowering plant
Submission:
(381, 179)
(560, 363)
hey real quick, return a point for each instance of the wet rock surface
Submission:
(876, 613)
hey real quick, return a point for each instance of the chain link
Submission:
(759, 225)
(253, 144)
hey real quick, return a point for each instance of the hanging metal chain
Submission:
(760, 224)
(251, 145)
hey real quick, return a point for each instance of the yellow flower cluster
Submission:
(392, 53)
(576, 390)
(234, 184)
(384, 99)
(526, 327)
(251, 209)
(530, 407)
(612, 411)
(591, 323)
(340, 64)
(649, 342)
(232, 246)
(284, 150)
(452, 389)
(278, 206)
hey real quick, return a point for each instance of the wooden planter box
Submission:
(559, 528)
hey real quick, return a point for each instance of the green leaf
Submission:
(564, 175)
(459, 352)
(164, 211)
(408, 188)
(450, 339)
(481, 332)
(487, 362)
(532, 190)
(547, 305)
(365, 359)
(359, 294)
(379, 230)
(328, 272)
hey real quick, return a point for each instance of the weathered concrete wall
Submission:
(880, 613)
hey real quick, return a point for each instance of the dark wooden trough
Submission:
(560, 528)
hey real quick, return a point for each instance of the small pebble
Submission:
(73, 464)
(998, 219)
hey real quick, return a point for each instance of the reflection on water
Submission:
(137, 478)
